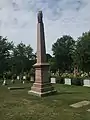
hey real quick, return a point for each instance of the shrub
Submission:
(77, 81)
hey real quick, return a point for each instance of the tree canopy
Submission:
(82, 53)
(67, 53)
(5, 50)
(63, 51)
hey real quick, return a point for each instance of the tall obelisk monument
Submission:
(42, 86)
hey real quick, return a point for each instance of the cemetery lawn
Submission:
(18, 105)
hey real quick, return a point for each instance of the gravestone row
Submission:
(86, 82)
(68, 81)
(18, 78)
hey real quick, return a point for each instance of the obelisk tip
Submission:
(40, 16)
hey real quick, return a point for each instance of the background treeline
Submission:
(67, 54)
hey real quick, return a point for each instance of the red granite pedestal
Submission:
(42, 85)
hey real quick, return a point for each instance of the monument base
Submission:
(42, 94)
(42, 89)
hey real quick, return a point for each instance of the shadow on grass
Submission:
(63, 93)
(70, 92)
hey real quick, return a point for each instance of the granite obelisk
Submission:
(41, 86)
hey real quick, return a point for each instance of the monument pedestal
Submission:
(43, 94)
(42, 86)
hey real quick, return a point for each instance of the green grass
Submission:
(18, 105)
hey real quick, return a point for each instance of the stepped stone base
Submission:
(42, 90)
(41, 94)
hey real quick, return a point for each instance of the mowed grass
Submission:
(18, 105)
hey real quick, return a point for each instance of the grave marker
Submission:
(4, 82)
(86, 83)
(67, 81)
(80, 104)
(53, 80)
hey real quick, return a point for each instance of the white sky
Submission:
(18, 19)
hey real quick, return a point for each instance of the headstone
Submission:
(80, 104)
(67, 81)
(53, 80)
(86, 83)
(23, 82)
(32, 79)
(88, 110)
(24, 77)
(4, 82)
(12, 81)
(18, 78)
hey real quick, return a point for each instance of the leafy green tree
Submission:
(31, 58)
(82, 53)
(63, 50)
(5, 54)
(22, 58)
(53, 66)
(52, 63)
(48, 57)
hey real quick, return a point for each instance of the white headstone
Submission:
(53, 80)
(86, 83)
(67, 81)
(88, 110)
(23, 82)
(17, 77)
(24, 77)
(4, 82)
(32, 78)
(12, 81)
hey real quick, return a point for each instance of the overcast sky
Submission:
(18, 19)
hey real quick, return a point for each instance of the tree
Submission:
(22, 58)
(52, 62)
(5, 50)
(63, 50)
(53, 66)
(48, 57)
(82, 53)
